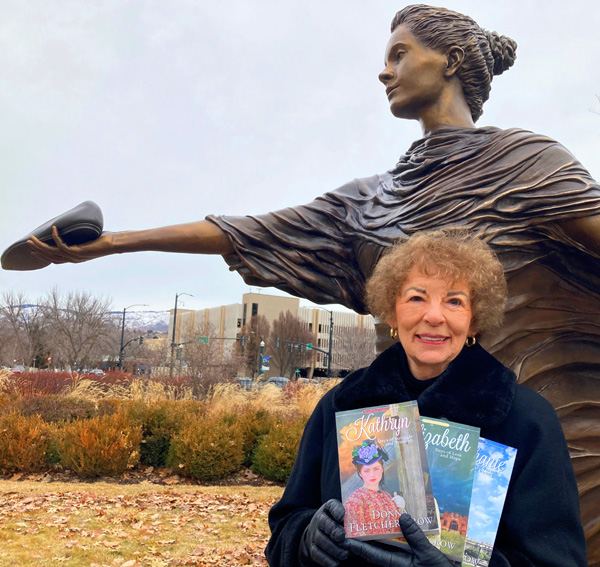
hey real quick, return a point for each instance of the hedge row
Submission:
(109, 437)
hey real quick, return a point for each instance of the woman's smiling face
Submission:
(433, 318)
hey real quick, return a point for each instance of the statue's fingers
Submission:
(50, 253)
(60, 244)
(42, 250)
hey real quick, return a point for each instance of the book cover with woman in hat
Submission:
(384, 471)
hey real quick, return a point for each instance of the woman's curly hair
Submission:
(452, 254)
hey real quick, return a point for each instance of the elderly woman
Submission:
(437, 291)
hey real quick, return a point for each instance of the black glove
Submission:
(321, 538)
(424, 554)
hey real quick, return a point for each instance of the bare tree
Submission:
(22, 330)
(288, 344)
(208, 360)
(353, 348)
(257, 330)
(82, 329)
(155, 353)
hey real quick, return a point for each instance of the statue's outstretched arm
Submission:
(202, 237)
(585, 230)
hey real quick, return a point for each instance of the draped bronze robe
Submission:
(509, 186)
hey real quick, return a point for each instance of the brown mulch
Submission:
(159, 476)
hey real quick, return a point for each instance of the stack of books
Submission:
(452, 481)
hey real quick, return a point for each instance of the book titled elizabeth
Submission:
(451, 453)
(493, 470)
(384, 471)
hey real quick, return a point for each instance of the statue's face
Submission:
(413, 75)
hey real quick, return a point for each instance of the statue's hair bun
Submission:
(504, 51)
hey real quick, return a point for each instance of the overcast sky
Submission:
(163, 112)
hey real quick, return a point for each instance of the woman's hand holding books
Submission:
(321, 540)
(423, 553)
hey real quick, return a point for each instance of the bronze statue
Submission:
(524, 193)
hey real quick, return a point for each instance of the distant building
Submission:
(319, 324)
(226, 322)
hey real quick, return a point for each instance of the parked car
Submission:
(279, 381)
(17, 369)
(245, 382)
(97, 372)
(307, 381)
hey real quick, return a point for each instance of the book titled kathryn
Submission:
(493, 470)
(384, 471)
(451, 453)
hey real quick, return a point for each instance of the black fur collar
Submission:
(475, 389)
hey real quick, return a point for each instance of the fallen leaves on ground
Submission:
(154, 528)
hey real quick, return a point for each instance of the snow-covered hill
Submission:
(144, 320)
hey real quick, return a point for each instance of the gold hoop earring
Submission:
(470, 341)
(394, 333)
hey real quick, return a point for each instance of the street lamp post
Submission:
(123, 331)
(330, 343)
(329, 350)
(173, 344)
(260, 357)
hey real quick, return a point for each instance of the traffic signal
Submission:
(300, 347)
(141, 340)
(277, 342)
(290, 348)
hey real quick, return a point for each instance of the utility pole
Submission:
(123, 331)
(173, 344)
(330, 343)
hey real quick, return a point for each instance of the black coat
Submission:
(540, 524)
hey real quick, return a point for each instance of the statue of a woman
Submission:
(528, 196)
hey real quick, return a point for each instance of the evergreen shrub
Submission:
(24, 442)
(159, 421)
(276, 451)
(101, 446)
(254, 423)
(208, 448)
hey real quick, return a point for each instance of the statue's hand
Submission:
(62, 253)
(421, 554)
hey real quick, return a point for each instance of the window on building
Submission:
(310, 327)
(244, 314)
(239, 323)
(254, 309)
